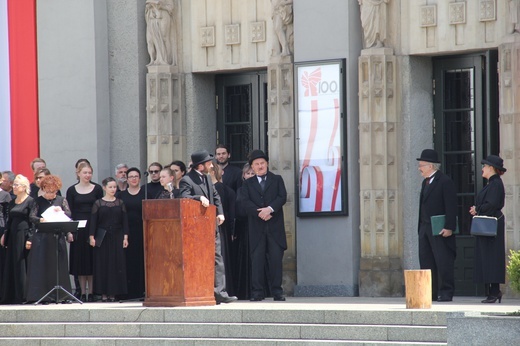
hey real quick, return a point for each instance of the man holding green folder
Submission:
(437, 252)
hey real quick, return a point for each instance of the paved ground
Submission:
(311, 303)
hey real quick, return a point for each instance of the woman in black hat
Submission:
(490, 256)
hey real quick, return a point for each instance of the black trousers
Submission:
(438, 254)
(266, 252)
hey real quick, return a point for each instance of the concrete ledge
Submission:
(474, 328)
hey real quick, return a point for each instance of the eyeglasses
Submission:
(17, 185)
(133, 177)
(39, 178)
(153, 172)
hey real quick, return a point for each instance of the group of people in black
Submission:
(437, 252)
(106, 254)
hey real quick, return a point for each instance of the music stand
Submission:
(59, 229)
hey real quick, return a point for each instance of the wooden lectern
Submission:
(179, 250)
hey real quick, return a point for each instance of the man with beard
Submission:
(232, 175)
(121, 176)
(197, 185)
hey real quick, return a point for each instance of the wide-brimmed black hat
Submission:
(257, 154)
(199, 157)
(429, 155)
(495, 161)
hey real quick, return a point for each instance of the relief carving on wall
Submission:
(160, 31)
(428, 16)
(457, 11)
(487, 10)
(207, 36)
(514, 12)
(374, 22)
(257, 32)
(282, 15)
(232, 34)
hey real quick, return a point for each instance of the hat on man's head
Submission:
(495, 161)
(200, 157)
(429, 155)
(257, 154)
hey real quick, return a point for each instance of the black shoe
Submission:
(66, 301)
(279, 298)
(256, 299)
(228, 299)
(90, 298)
(493, 299)
(444, 299)
(83, 298)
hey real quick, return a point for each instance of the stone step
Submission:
(193, 342)
(303, 316)
(273, 331)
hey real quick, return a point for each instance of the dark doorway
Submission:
(242, 113)
(465, 131)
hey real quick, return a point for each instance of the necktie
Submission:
(427, 181)
(262, 182)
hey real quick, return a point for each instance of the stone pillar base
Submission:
(381, 277)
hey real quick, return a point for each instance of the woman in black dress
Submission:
(227, 229)
(18, 230)
(490, 253)
(133, 198)
(41, 266)
(81, 197)
(242, 272)
(109, 217)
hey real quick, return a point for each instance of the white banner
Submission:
(319, 133)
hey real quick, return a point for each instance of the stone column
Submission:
(280, 80)
(166, 134)
(509, 107)
(166, 138)
(381, 225)
(281, 150)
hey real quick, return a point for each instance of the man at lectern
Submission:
(198, 186)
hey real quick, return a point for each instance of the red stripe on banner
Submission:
(336, 123)
(336, 189)
(319, 189)
(23, 84)
(312, 134)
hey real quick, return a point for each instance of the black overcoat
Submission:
(490, 253)
(440, 199)
(274, 196)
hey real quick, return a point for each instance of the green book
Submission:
(438, 222)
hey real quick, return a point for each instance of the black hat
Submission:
(199, 157)
(495, 161)
(429, 155)
(257, 154)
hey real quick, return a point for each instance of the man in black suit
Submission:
(263, 198)
(438, 197)
(198, 186)
(232, 175)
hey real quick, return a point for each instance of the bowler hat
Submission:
(257, 154)
(199, 157)
(495, 161)
(429, 155)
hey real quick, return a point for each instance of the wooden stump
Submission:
(418, 284)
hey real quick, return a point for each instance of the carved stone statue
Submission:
(160, 31)
(282, 18)
(373, 20)
(514, 11)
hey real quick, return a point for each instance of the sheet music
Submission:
(52, 215)
(82, 223)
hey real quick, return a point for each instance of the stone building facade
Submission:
(104, 87)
